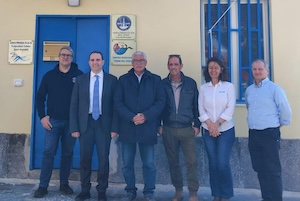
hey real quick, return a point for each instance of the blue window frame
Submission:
(237, 32)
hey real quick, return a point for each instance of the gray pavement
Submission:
(23, 189)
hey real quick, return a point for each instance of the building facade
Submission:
(238, 31)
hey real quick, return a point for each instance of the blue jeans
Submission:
(218, 150)
(149, 169)
(59, 131)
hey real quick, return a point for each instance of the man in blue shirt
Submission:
(268, 110)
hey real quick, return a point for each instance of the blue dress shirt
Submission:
(267, 106)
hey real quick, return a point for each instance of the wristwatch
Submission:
(220, 123)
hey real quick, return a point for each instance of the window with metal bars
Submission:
(237, 32)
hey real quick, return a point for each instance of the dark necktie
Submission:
(96, 111)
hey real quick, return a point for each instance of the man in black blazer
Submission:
(92, 120)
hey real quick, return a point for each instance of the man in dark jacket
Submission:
(139, 101)
(180, 126)
(56, 87)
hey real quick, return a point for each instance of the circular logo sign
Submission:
(123, 23)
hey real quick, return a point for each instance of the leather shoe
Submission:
(83, 196)
(193, 196)
(130, 197)
(102, 196)
(40, 192)
(149, 197)
(65, 189)
(178, 196)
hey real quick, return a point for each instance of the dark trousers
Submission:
(95, 135)
(184, 139)
(264, 148)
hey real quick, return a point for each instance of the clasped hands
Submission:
(213, 129)
(138, 119)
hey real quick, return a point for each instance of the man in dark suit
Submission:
(93, 122)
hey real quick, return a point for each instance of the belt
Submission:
(178, 125)
(271, 128)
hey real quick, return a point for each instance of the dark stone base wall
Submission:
(12, 155)
(15, 153)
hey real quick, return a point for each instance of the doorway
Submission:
(85, 33)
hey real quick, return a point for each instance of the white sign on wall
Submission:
(20, 51)
(123, 27)
(122, 51)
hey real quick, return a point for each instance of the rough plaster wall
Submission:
(14, 157)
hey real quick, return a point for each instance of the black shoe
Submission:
(65, 189)
(40, 192)
(130, 197)
(83, 196)
(102, 196)
(149, 197)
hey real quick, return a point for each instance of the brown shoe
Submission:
(178, 196)
(193, 196)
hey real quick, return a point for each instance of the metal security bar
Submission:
(237, 32)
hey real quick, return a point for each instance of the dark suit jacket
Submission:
(80, 101)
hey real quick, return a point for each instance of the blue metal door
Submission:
(85, 34)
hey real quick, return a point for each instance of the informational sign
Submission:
(123, 27)
(20, 52)
(122, 51)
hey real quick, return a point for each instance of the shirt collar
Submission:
(219, 83)
(139, 75)
(99, 74)
(181, 78)
(262, 83)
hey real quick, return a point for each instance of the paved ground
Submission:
(22, 190)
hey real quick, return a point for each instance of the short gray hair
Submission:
(140, 53)
(67, 48)
(266, 64)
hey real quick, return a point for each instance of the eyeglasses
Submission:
(66, 55)
(138, 60)
(175, 55)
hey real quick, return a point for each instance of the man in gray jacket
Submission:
(180, 126)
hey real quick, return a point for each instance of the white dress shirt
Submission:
(139, 76)
(92, 83)
(217, 102)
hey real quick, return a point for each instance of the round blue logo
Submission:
(123, 23)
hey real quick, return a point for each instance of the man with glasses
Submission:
(53, 105)
(180, 126)
(139, 100)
